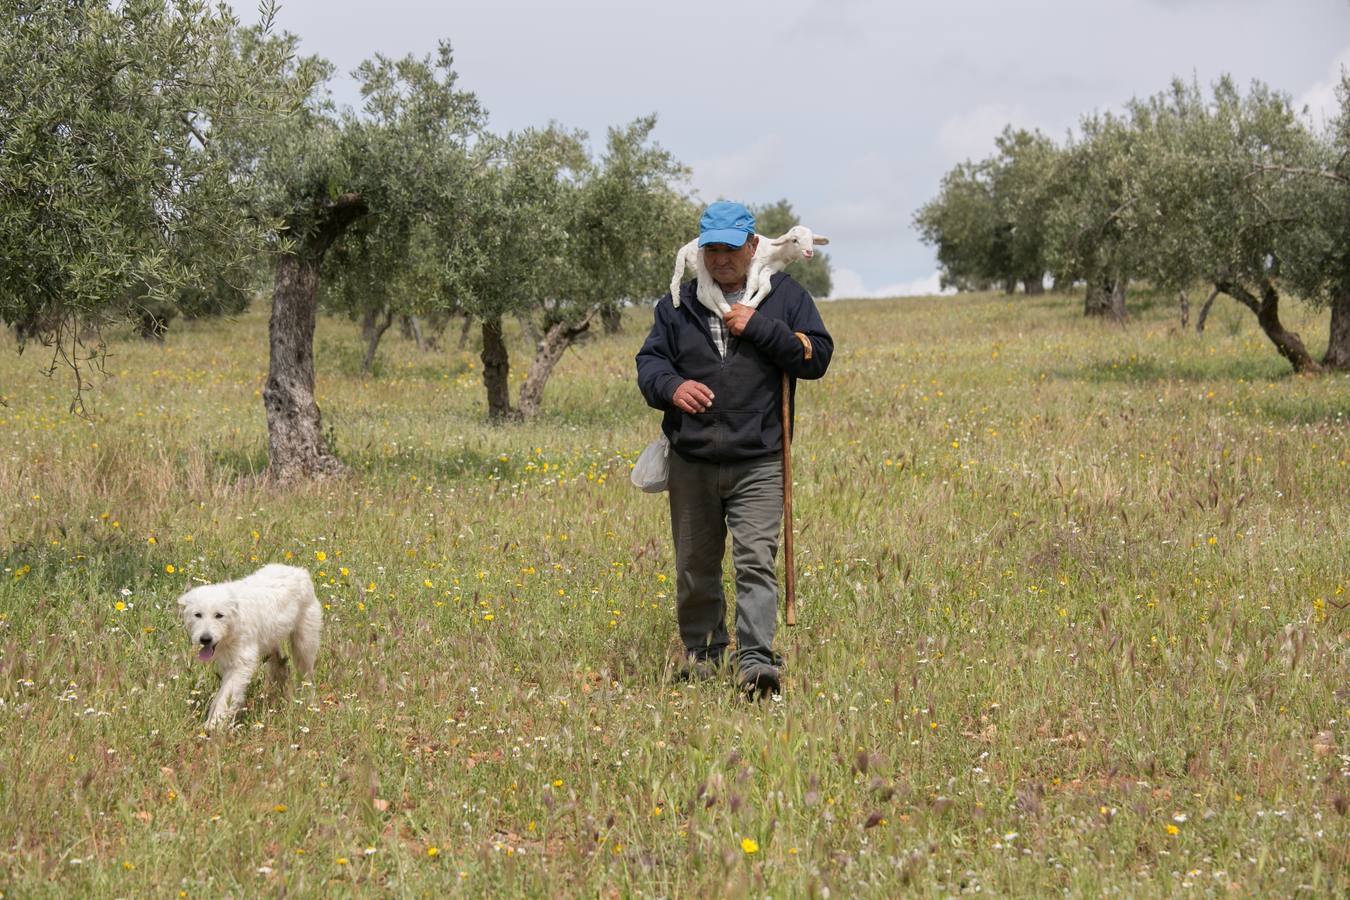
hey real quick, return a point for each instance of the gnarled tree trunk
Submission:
(1118, 299)
(1204, 312)
(612, 318)
(496, 371)
(1267, 309)
(411, 330)
(1097, 300)
(1338, 347)
(547, 354)
(373, 326)
(1034, 284)
(296, 446)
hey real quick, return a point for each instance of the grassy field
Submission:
(1073, 604)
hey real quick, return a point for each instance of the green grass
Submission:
(1072, 600)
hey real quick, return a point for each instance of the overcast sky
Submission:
(850, 109)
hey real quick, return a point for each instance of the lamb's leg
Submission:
(757, 284)
(233, 685)
(711, 296)
(682, 262)
(676, 278)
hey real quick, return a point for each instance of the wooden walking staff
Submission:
(789, 573)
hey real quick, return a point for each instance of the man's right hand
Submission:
(692, 397)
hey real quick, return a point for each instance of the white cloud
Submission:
(1320, 99)
(971, 134)
(848, 285)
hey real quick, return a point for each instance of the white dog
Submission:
(238, 624)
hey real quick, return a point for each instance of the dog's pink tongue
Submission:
(207, 653)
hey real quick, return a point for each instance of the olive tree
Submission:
(507, 249)
(1021, 181)
(961, 222)
(1316, 257)
(554, 238)
(119, 130)
(1226, 205)
(626, 222)
(411, 147)
(989, 220)
(1092, 223)
(397, 161)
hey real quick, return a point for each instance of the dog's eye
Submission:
(199, 615)
(220, 615)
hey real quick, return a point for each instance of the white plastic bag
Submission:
(652, 469)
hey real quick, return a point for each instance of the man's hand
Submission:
(692, 397)
(737, 317)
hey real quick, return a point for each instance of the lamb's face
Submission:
(801, 240)
(208, 614)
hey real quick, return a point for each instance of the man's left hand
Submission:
(737, 317)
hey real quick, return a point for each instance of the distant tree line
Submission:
(1225, 190)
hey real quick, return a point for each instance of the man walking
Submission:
(719, 381)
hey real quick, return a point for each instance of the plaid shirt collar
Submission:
(719, 327)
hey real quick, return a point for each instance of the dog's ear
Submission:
(183, 601)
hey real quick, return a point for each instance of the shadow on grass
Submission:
(459, 464)
(239, 464)
(1303, 410)
(82, 565)
(1145, 370)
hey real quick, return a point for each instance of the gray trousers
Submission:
(707, 499)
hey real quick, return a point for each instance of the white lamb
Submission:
(771, 256)
(798, 242)
(709, 294)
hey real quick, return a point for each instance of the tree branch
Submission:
(187, 120)
(1115, 214)
(1303, 170)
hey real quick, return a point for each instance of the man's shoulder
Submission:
(789, 288)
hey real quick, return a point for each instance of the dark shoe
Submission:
(698, 667)
(759, 680)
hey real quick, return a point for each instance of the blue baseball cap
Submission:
(725, 222)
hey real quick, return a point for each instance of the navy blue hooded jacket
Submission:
(745, 419)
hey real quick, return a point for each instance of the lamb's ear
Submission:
(780, 241)
(820, 239)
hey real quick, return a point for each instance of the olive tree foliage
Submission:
(392, 169)
(555, 237)
(410, 145)
(506, 251)
(1092, 222)
(1315, 259)
(1222, 200)
(774, 219)
(625, 223)
(988, 221)
(1021, 178)
(118, 186)
(960, 223)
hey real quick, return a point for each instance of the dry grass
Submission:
(1073, 603)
